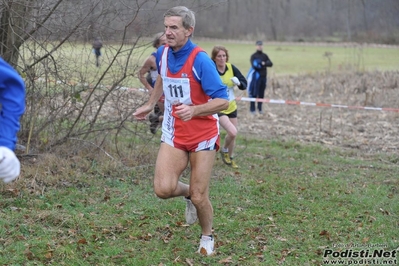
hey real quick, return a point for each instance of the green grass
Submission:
(286, 204)
(305, 59)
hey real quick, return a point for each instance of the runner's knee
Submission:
(163, 191)
(198, 198)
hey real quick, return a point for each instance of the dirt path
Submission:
(368, 131)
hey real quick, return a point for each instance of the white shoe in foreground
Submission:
(207, 245)
(191, 212)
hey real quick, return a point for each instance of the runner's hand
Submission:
(235, 81)
(142, 112)
(10, 166)
(184, 112)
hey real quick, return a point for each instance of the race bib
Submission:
(177, 90)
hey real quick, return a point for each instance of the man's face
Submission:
(259, 47)
(176, 34)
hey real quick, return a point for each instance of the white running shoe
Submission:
(191, 212)
(207, 245)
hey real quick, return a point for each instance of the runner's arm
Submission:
(143, 72)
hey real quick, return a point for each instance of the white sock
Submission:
(205, 237)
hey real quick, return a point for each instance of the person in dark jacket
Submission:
(97, 45)
(257, 76)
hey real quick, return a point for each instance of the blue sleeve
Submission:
(12, 99)
(209, 77)
(158, 55)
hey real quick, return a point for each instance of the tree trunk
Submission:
(348, 23)
(13, 28)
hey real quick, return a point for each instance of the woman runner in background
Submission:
(232, 77)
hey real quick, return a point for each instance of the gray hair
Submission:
(186, 14)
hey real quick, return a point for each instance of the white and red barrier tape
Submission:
(289, 102)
